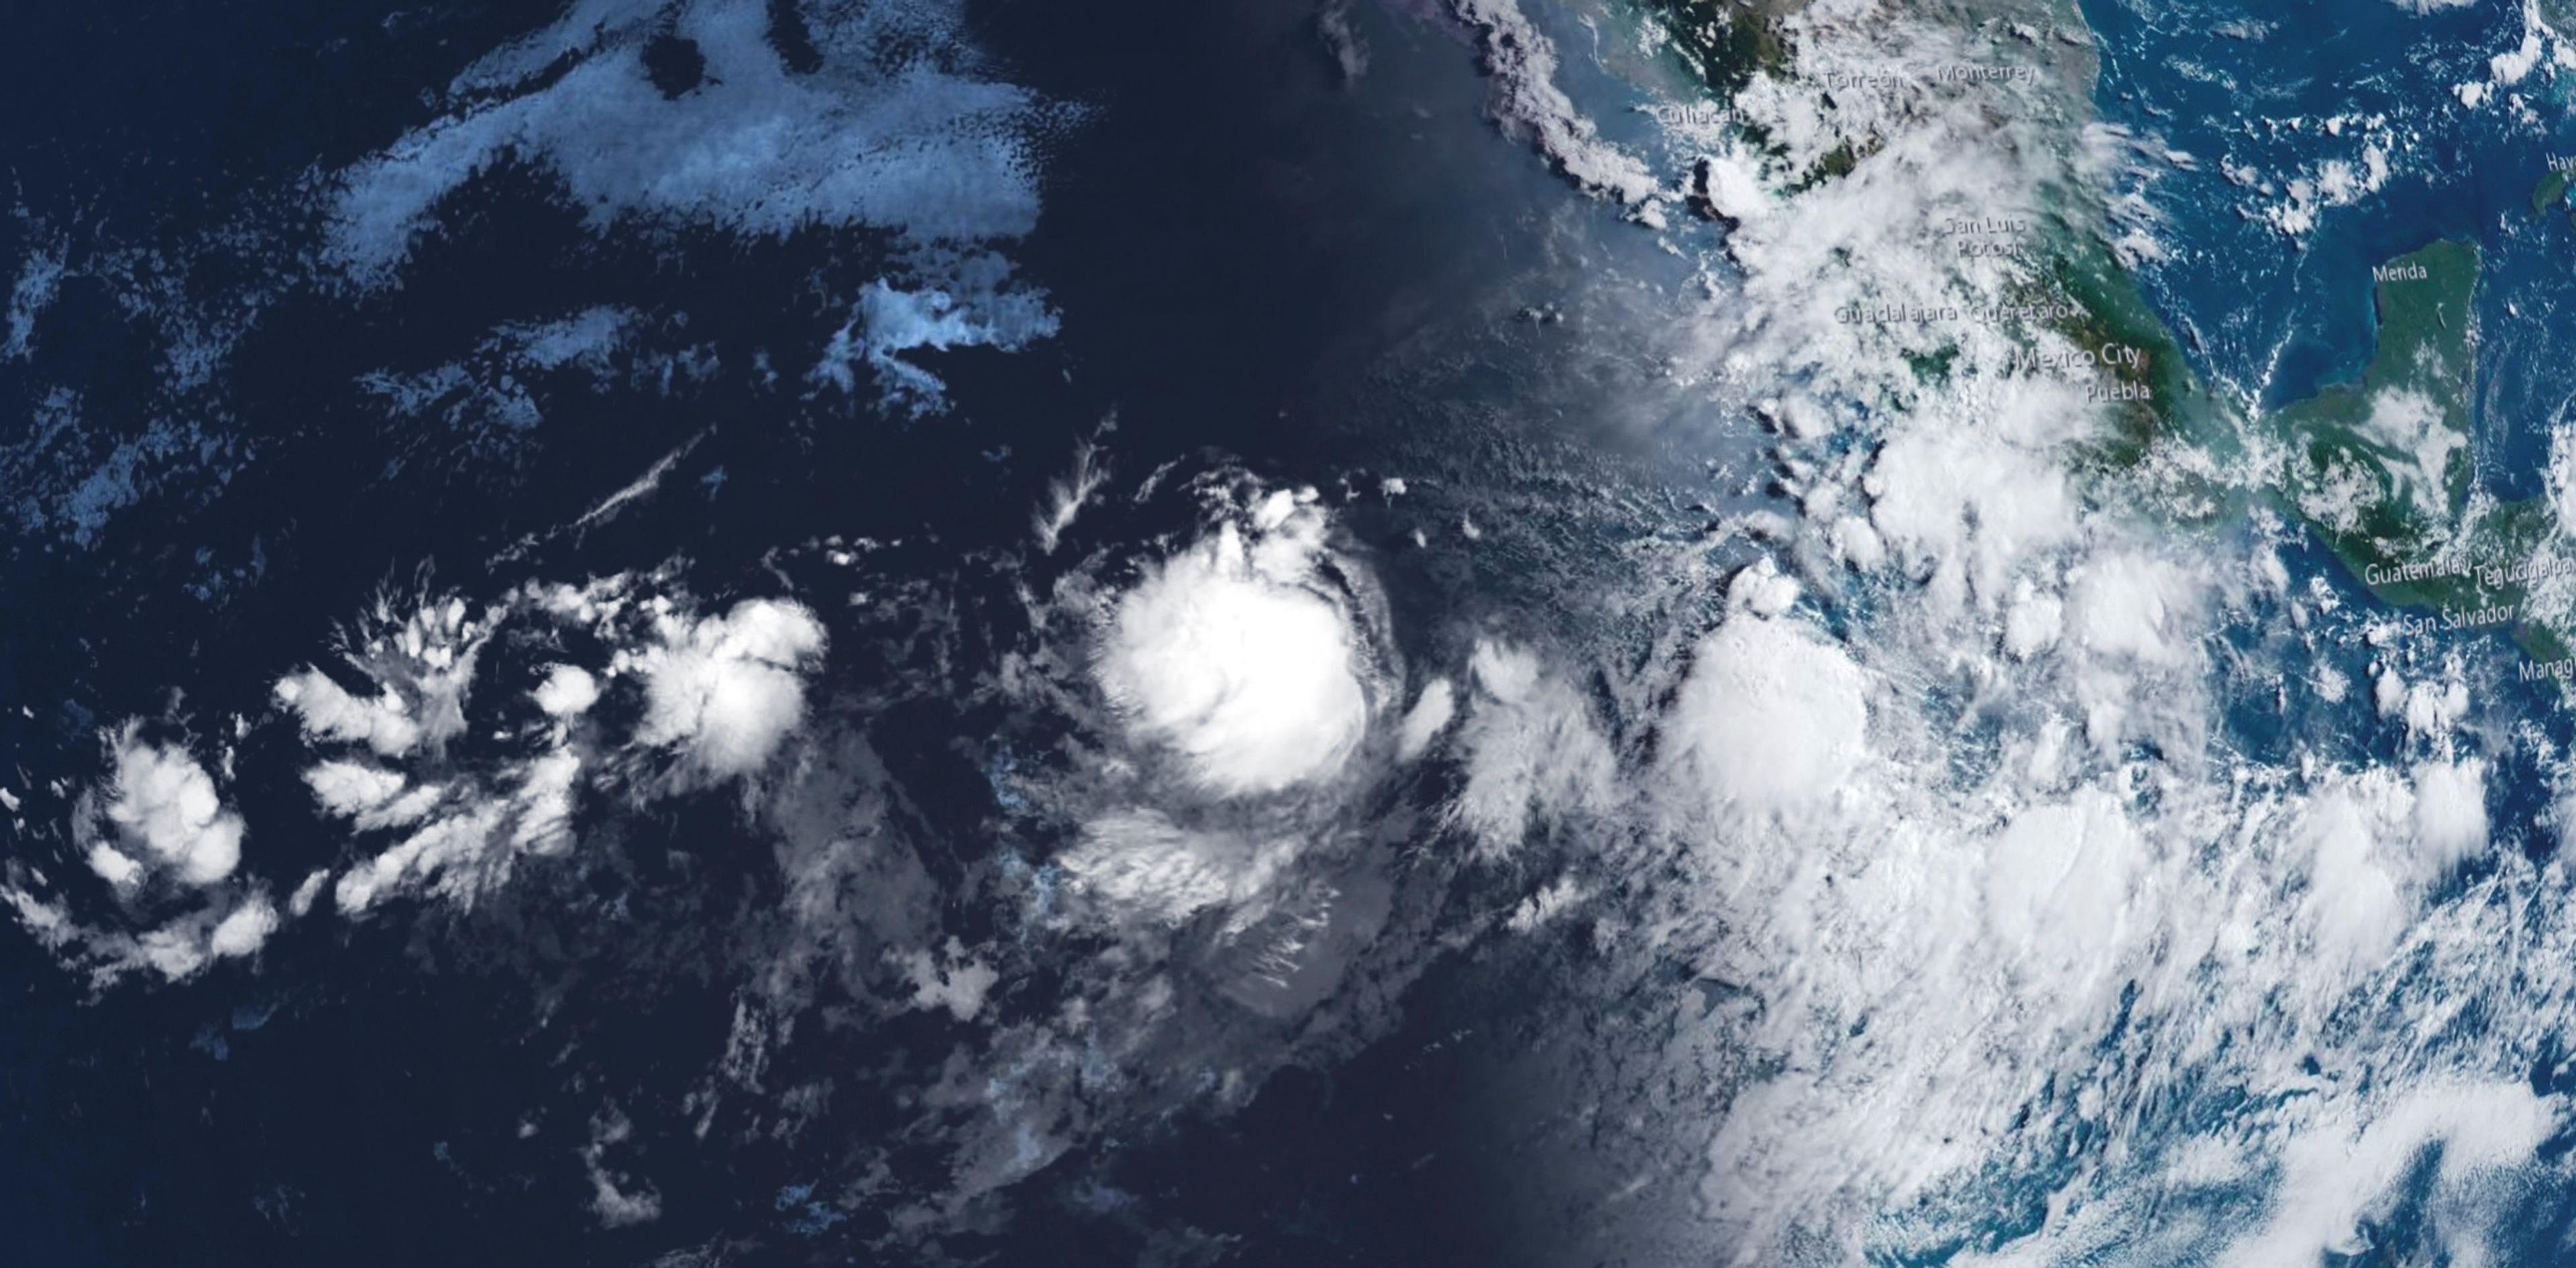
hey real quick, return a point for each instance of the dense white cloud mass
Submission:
(114, 867)
(1228, 654)
(1430, 715)
(2130, 605)
(1985, 884)
(2450, 811)
(1771, 719)
(331, 713)
(2353, 900)
(245, 930)
(348, 789)
(157, 832)
(447, 844)
(720, 692)
(725, 690)
(567, 691)
(162, 808)
(2058, 880)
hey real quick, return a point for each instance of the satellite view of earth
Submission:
(1396, 633)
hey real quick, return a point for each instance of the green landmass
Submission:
(2560, 15)
(1727, 42)
(2155, 403)
(2355, 475)
(2362, 457)
(2548, 193)
(2379, 467)
(2411, 400)
(1837, 163)
(2173, 404)
(2541, 642)
(2552, 191)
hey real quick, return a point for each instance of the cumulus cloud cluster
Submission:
(1975, 867)
(1771, 719)
(441, 785)
(718, 693)
(724, 690)
(157, 831)
(421, 665)
(1534, 751)
(161, 808)
(1143, 869)
(1234, 656)
(712, 698)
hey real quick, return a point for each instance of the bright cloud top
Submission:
(422, 664)
(725, 690)
(437, 802)
(156, 830)
(719, 692)
(1228, 654)
(1771, 718)
(568, 691)
(162, 809)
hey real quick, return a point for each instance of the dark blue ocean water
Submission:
(1235, 239)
